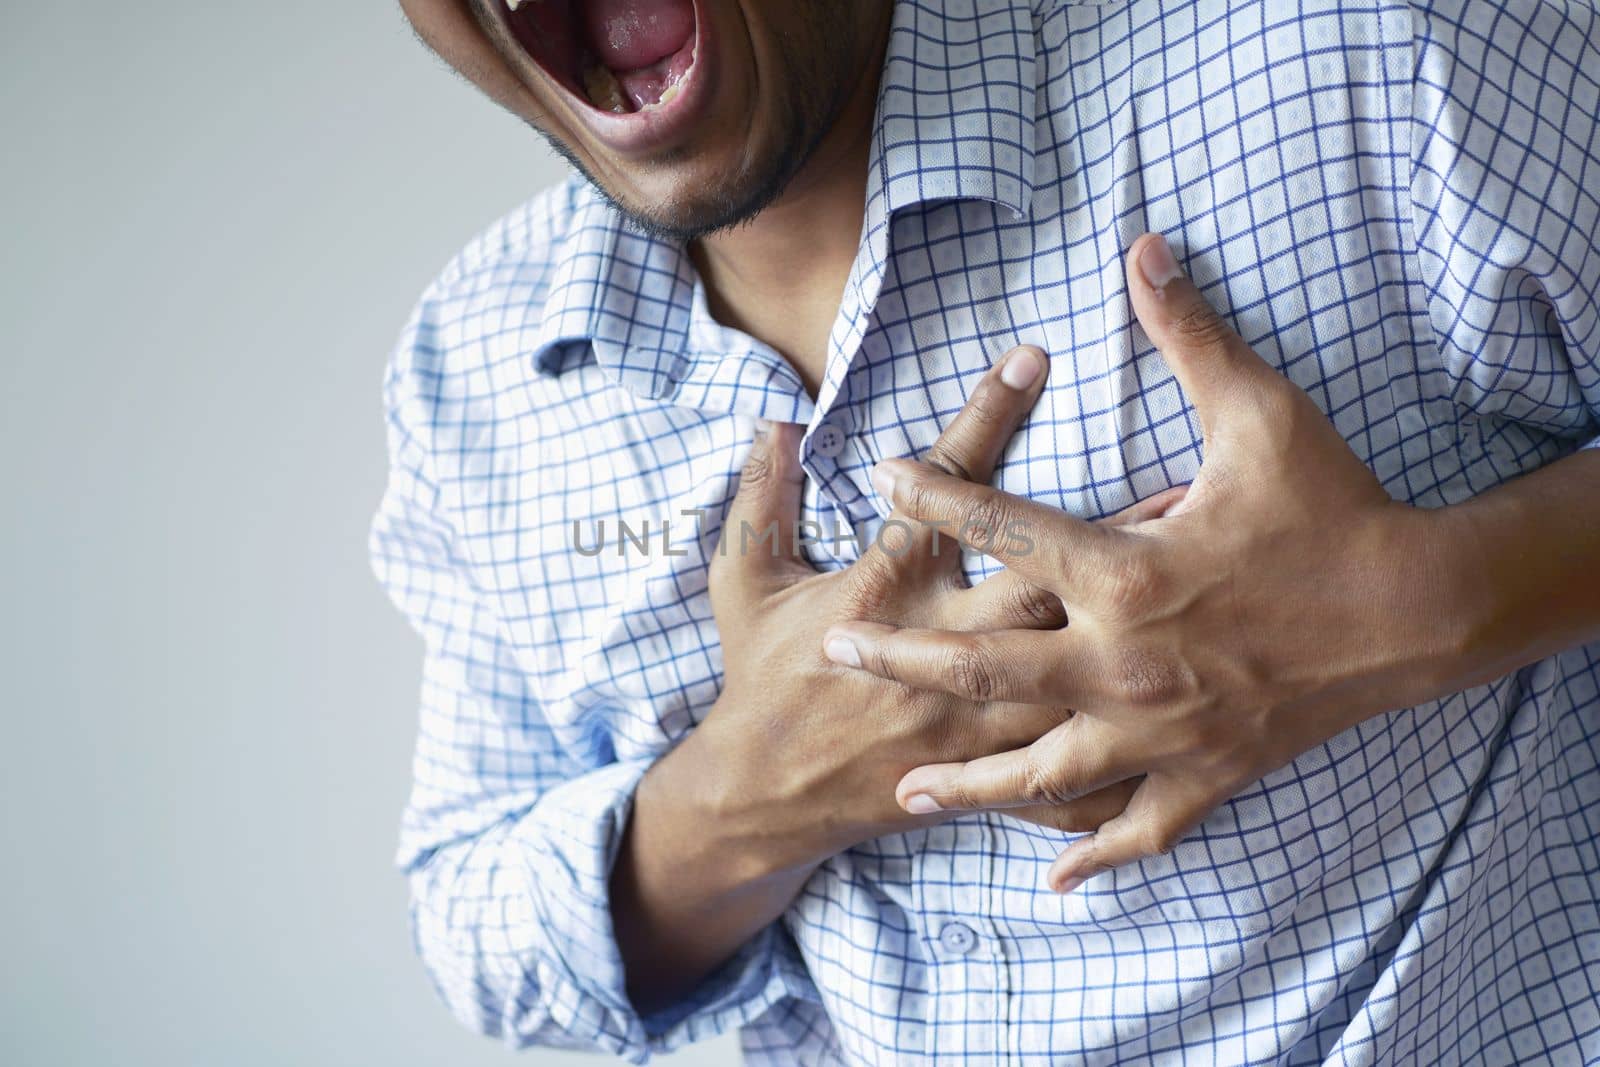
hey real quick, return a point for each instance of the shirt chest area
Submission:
(593, 513)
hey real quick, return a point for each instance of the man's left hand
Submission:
(1285, 598)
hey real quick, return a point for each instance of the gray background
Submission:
(216, 217)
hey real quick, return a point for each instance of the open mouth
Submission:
(618, 56)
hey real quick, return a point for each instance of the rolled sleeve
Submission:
(515, 928)
(512, 828)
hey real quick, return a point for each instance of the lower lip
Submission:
(654, 129)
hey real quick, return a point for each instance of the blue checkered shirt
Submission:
(1395, 203)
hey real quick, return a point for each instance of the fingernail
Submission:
(1022, 368)
(763, 427)
(1067, 885)
(883, 482)
(922, 804)
(842, 650)
(1157, 263)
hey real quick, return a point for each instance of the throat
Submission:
(780, 277)
(797, 329)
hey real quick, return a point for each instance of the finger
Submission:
(998, 727)
(1020, 666)
(1007, 601)
(972, 444)
(1073, 760)
(759, 548)
(1084, 815)
(1159, 816)
(1083, 562)
(1213, 364)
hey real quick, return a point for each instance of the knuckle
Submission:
(1038, 606)
(874, 574)
(918, 498)
(888, 668)
(975, 673)
(946, 456)
(1150, 679)
(963, 795)
(987, 406)
(757, 471)
(985, 519)
(873, 585)
(1042, 783)
(1201, 327)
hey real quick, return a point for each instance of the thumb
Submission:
(760, 547)
(1216, 368)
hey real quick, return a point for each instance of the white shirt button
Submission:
(828, 440)
(958, 938)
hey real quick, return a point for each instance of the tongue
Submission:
(629, 35)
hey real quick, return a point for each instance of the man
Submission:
(1298, 763)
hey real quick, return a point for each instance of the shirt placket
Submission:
(966, 957)
(966, 1005)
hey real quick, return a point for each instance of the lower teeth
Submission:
(604, 92)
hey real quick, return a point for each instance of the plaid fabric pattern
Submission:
(1395, 203)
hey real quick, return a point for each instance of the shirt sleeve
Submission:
(509, 837)
(1506, 199)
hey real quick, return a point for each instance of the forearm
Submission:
(695, 879)
(1528, 573)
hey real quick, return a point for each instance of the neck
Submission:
(779, 276)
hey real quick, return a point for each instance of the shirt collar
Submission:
(955, 120)
(956, 104)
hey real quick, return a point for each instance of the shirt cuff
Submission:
(570, 849)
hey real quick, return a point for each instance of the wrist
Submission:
(1436, 609)
(685, 894)
(731, 809)
(1504, 555)
(1399, 629)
